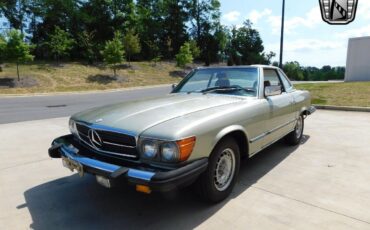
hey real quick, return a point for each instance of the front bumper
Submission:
(156, 179)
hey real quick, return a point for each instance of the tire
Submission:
(226, 155)
(295, 137)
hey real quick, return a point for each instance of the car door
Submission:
(281, 116)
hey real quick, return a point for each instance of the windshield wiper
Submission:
(226, 88)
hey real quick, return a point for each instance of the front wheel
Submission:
(217, 182)
(295, 137)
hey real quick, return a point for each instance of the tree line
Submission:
(152, 30)
(80, 29)
(300, 73)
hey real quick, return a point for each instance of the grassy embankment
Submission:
(339, 94)
(45, 77)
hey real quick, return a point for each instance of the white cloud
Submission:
(363, 15)
(255, 15)
(312, 52)
(311, 19)
(275, 23)
(363, 9)
(308, 45)
(232, 16)
(358, 32)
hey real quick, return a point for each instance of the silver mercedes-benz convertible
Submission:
(195, 134)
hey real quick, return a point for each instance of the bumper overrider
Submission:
(146, 178)
(311, 110)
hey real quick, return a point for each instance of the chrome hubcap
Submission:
(225, 169)
(299, 127)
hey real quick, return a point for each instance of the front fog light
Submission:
(149, 149)
(170, 152)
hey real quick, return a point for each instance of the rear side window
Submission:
(271, 77)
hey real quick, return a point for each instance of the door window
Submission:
(271, 78)
(287, 85)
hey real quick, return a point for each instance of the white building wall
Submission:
(358, 59)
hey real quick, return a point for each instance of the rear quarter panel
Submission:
(302, 101)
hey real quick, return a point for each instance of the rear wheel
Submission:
(295, 137)
(217, 182)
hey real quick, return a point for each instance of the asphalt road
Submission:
(16, 109)
(28, 108)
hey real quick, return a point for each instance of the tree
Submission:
(123, 14)
(2, 50)
(155, 55)
(194, 49)
(222, 38)
(15, 11)
(184, 56)
(60, 43)
(149, 26)
(68, 15)
(17, 50)
(268, 57)
(114, 52)
(246, 47)
(174, 30)
(293, 70)
(131, 43)
(87, 44)
(205, 19)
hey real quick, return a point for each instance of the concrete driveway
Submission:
(322, 184)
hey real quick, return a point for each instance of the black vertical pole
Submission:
(282, 36)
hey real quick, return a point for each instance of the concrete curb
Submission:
(343, 108)
(84, 92)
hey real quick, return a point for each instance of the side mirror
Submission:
(272, 90)
(174, 86)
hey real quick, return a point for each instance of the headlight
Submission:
(167, 151)
(149, 149)
(73, 127)
(170, 152)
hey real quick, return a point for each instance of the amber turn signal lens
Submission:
(143, 188)
(186, 147)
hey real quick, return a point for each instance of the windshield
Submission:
(232, 81)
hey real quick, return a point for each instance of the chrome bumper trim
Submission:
(71, 153)
(311, 109)
(88, 161)
(138, 174)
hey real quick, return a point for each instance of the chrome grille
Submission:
(112, 142)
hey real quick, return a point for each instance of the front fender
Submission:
(227, 130)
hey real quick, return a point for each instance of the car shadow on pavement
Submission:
(80, 203)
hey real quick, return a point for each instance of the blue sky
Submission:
(308, 39)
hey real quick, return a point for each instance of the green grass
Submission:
(79, 77)
(339, 94)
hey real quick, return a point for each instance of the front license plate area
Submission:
(73, 165)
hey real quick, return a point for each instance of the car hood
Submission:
(137, 116)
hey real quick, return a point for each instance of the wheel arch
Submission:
(238, 133)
